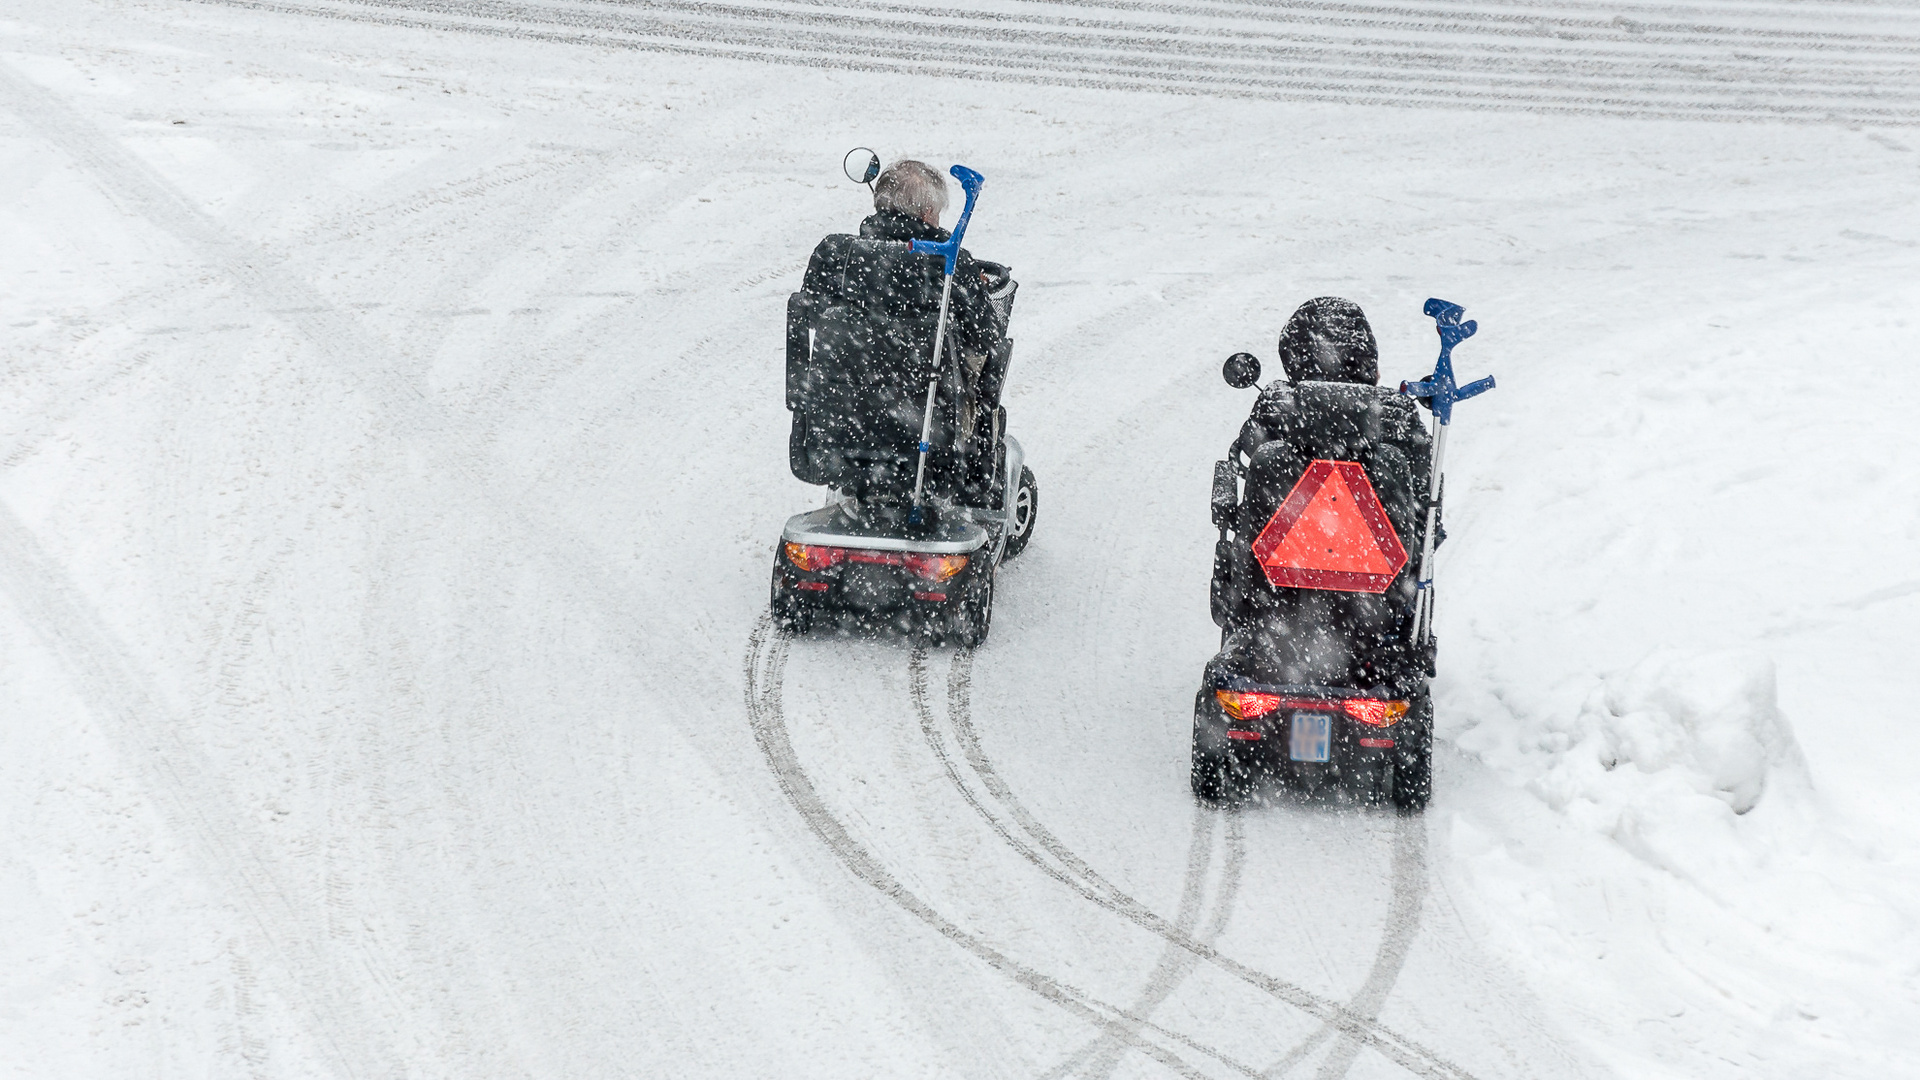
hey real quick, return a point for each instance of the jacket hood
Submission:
(1328, 339)
(894, 225)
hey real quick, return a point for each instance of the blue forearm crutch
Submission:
(1441, 392)
(971, 182)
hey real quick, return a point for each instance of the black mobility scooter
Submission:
(1328, 508)
(928, 492)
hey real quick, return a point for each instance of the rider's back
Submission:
(859, 349)
(860, 342)
(1331, 411)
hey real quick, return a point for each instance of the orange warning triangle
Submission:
(1331, 533)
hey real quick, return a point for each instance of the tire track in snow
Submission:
(1403, 910)
(764, 670)
(354, 1029)
(42, 420)
(1070, 870)
(1102, 1056)
(396, 408)
(1409, 876)
(1546, 37)
(1380, 72)
(350, 989)
(491, 399)
(1176, 963)
(191, 798)
(1679, 70)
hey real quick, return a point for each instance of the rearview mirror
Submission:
(858, 171)
(1241, 370)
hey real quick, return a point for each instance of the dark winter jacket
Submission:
(978, 325)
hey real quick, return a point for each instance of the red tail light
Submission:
(1247, 704)
(1373, 712)
(934, 567)
(814, 559)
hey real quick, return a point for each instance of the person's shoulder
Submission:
(833, 246)
(1395, 402)
(1275, 398)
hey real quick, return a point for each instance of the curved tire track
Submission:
(346, 1001)
(1409, 892)
(347, 991)
(1175, 963)
(1101, 1056)
(764, 671)
(1349, 1022)
(191, 798)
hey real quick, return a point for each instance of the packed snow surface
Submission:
(392, 450)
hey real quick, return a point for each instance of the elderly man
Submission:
(860, 338)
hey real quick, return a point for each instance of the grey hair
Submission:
(912, 188)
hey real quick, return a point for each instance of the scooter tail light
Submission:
(935, 567)
(1374, 712)
(1246, 704)
(813, 558)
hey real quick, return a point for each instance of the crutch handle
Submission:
(971, 182)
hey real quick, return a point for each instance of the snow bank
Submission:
(1663, 757)
(1690, 876)
(1674, 726)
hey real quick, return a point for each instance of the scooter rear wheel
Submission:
(790, 616)
(973, 617)
(1217, 775)
(1413, 758)
(1024, 512)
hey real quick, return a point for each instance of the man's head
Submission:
(913, 188)
(1328, 340)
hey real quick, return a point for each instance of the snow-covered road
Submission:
(1719, 61)
(391, 448)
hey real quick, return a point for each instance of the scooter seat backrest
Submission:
(862, 325)
(859, 355)
(1335, 421)
(1340, 422)
(882, 277)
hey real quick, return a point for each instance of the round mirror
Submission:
(1241, 370)
(861, 170)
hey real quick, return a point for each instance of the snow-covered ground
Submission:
(391, 448)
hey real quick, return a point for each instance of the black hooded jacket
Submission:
(1327, 340)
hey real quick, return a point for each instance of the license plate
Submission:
(1310, 736)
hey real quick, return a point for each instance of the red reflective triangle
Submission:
(1331, 533)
